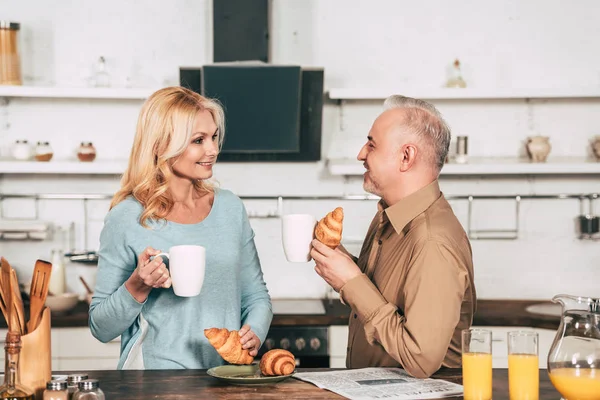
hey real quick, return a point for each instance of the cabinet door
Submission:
(338, 343)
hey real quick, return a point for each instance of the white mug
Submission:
(297, 233)
(187, 264)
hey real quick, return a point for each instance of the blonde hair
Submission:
(164, 130)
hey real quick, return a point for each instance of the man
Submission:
(411, 290)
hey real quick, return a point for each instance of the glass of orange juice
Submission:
(477, 364)
(523, 365)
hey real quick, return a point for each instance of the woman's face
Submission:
(197, 160)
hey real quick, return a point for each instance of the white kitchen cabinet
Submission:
(338, 343)
(77, 349)
(500, 343)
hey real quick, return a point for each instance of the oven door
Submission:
(308, 344)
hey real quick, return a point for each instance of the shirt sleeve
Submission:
(418, 336)
(113, 309)
(256, 302)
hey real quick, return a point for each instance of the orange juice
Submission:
(577, 383)
(477, 376)
(523, 376)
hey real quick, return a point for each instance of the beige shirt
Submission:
(416, 292)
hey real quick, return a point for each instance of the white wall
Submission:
(400, 44)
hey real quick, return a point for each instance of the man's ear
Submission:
(408, 156)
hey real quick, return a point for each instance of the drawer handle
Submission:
(497, 340)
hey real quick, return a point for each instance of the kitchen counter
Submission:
(489, 313)
(196, 384)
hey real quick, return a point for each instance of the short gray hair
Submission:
(424, 120)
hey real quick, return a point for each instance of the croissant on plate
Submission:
(227, 343)
(277, 362)
(329, 229)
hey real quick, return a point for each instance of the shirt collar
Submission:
(405, 210)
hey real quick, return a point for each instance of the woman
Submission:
(165, 200)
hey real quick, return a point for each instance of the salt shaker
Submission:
(21, 150)
(73, 382)
(56, 390)
(89, 389)
(86, 152)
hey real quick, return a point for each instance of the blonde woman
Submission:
(165, 200)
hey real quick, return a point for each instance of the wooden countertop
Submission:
(196, 384)
(489, 313)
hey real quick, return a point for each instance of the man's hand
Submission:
(334, 266)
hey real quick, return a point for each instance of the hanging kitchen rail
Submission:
(588, 221)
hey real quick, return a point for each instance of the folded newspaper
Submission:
(380, 383)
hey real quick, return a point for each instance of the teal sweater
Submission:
(167, 331)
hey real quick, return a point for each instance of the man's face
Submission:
(380, 154)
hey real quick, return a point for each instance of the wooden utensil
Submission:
(19, 312)
(7, 292)
(38, 293)
(87, 288)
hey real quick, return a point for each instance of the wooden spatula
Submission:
(7, 292)
(19, 312)
(38, 293)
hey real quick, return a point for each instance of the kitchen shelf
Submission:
(97, 167)
(463, 93)
(75, 92)
(491, 166)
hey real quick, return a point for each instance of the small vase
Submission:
(596, 147)
(538, 148)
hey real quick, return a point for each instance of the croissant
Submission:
(227, 343)
(329, 229)
(277, 362)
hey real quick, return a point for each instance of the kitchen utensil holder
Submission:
(35, 363)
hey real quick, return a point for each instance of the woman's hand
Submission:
(149, 274)
(249, 340)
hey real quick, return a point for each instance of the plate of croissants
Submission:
(275, 365)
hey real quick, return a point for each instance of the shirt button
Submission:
(355, 316)
(347, 348)
(380, 242)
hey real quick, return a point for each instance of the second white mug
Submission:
(297, 233)
(187, 264)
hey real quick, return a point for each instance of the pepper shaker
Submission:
(56, 390)
(89, 389)
(73, 382)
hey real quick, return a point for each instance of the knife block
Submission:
(35, 362)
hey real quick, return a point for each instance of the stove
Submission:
(309, 344)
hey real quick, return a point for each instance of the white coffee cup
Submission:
(187, 264)
(297, 233)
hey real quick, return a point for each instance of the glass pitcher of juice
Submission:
(574, 357)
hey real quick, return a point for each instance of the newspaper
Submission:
(380, 383)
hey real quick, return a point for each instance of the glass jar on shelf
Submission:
(10, 67)
(43, 151)
(86, 152)
(21, 150)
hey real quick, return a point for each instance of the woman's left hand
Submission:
(249, 340)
